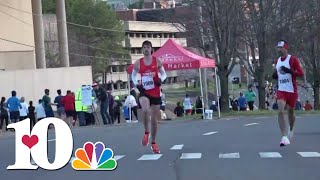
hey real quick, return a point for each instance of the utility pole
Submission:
(62, 32)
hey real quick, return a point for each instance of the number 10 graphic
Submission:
(35, 144)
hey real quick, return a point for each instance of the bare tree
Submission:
(309, 45)
(213, 28)
(264, 23)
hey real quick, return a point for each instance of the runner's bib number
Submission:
(147, 82)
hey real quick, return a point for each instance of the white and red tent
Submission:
(175, 57)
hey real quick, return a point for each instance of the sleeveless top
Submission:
(149, 74)
(285, 82)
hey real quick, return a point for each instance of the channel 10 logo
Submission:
(34, 144)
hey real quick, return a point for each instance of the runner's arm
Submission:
(135, 72)
(296, 68)
(163, 74)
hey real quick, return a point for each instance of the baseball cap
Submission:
(94, 84)
(283, 44)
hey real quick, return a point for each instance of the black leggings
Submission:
(4, 117)
(250, 103)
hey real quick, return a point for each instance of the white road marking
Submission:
(117, 157)
(51, 140)
(251, 124)
(177, 147)
(270, 155)
(191, 156)
(229, 155)
(210, 133)
(149, 157)
(309, 154)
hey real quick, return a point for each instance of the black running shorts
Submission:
(153, 100)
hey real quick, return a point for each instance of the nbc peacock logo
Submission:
(94, 157)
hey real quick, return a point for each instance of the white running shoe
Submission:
(284, 141)
(290, 133)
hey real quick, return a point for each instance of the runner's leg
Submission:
(145, 106)
(155, 110)
(281, 120)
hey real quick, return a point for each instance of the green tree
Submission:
(104, 44)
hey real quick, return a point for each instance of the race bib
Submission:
(147, 82)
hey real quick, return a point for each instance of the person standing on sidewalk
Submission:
(13, 104)
(250, 96)
(102, 96)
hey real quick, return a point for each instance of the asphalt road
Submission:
(238, 148)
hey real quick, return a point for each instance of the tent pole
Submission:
(201, 93)
(217, 89)
(129, 97)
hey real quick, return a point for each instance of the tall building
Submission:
(16, 26)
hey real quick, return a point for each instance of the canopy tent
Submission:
(175, 57)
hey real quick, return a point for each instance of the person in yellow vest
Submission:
(79, 108)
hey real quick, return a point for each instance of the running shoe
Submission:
(155, 148)
(284, 141)
(145, 139)
(290, 133)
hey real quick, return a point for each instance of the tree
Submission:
(93, 46)
(214, 30)
(264, 23)
(309, 46)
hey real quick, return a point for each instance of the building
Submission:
(16, 26)
(22, 53)
(145, 4)
(136, 32)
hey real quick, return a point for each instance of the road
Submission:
(240, 148)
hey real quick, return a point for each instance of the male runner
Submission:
(149, 98)
(287, 70)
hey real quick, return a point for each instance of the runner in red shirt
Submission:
(69, 107)
(287, 70)
(149, 99)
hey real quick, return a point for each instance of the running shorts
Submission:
(289, 98)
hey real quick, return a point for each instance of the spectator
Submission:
(298, 105)
(214, 106)
(31, 114)
(242, 103)
(23, 110)
(117, 108)
(46, 100)
(199, 105)
(187, 105)
(178, 111)
(3, 114)
(60, 109)
(131, 103)
(250, 96)
(308, 106)
(68, 102)
(40, 111)
(102, 96)
(13, 104)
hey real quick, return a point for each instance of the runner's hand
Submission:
(275, 75)
(285, 69)
(140, 88)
